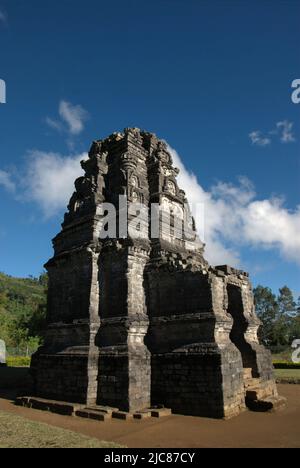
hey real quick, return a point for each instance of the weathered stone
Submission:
(93, 414)
(160, 412)
(54, 406)
(122, 415)
(142, 414)
(269, 404)
(135, 321)
(103, 409)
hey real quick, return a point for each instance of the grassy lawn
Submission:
(288, 375)
(17, 432)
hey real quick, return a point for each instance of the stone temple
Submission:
(135, 322)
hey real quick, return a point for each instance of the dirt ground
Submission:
(281, 429)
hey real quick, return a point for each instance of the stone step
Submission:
(96, 412)
(92, 414)
(160, 412)
(266, 404)
(122, 415)
(259, 392)
(252, 383)
(102, 409)
(142, 414)
(43, 404)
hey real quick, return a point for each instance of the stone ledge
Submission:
(142, 414)
(97, 412)
(122, 415)
(160, 412)
(267, 404)
(59, 407)
(103, 409)
(93, 414)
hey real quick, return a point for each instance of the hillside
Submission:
(22, 309)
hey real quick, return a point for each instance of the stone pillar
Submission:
(62, 368)
(93, 356)
(124, 364)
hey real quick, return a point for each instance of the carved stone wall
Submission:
(141, 319)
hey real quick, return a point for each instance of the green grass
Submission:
(287, 375)
(17, 432)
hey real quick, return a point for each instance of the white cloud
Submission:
(54, 124)
(269, 224)
(217, 252)
(74, 116)
(6, 181)
(258, 139)
(234, 218)
(286, 129)
(283, 130)
(50, 180)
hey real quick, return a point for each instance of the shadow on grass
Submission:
(14, 382)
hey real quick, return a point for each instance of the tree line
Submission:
(279, 314)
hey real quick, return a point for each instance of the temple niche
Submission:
(142, 321)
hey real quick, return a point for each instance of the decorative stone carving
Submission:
(134, 181)
(134, 197)
(171, 187)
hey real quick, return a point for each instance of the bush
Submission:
(18, 361)
(286, 365)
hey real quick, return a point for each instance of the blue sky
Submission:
(213, 78)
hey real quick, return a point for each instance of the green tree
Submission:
(286, 303)
(7, 326)
(267, 309)
(43, 280)
(285, 320)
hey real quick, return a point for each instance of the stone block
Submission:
(93, 414)
(160, 412)
(142, 414)
(59, 407)
(122, 415)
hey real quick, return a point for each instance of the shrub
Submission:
(286, 365)
(18, 361)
